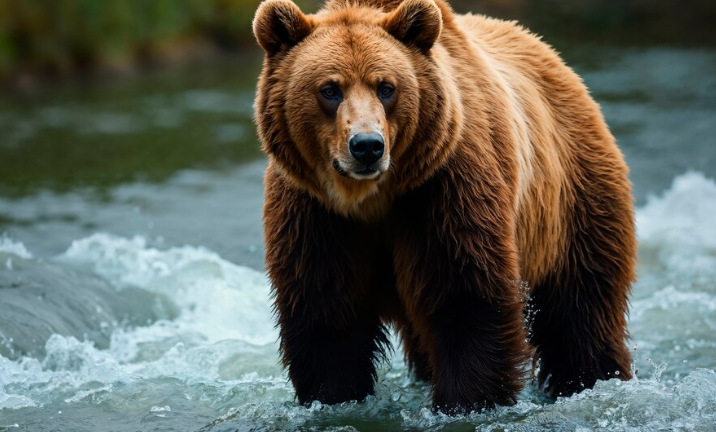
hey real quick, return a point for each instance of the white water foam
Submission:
(224, 316)
(9, 246)
(218, 300)
(678, 228)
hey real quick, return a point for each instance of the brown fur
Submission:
(501, 169)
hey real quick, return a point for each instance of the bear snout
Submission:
(362, 156)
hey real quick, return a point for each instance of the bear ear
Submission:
(280, 25)
(415, 23)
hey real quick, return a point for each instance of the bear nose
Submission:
(366, 148)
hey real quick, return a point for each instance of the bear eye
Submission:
(331, 92)
(385, 90)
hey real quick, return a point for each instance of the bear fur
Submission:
(498, 171)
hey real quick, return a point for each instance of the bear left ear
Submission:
(280, 25)
(415, 23)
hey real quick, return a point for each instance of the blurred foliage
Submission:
(67, 36)
(64, 36)
(619, 22)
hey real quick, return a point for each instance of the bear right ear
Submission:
(280, 25)
(416, 23)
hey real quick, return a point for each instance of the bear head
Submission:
(347, 94)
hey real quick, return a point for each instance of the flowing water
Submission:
(132, 292)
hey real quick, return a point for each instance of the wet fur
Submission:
(502, 170)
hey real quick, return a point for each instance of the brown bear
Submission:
(422, 165)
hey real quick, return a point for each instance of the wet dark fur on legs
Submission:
(456, 303)
(457, 273)
(330, 329)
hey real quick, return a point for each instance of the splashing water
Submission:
(180, 339)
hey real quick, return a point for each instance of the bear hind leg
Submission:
(579, 311)
(574, 350)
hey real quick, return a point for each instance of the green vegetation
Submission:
(67, 36)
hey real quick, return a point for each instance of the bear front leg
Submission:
(319, 266)
(457, 274)
(477, 351)
(331, 362)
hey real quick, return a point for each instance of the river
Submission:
(132, 289)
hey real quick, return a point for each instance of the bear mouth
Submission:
(366, 173)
